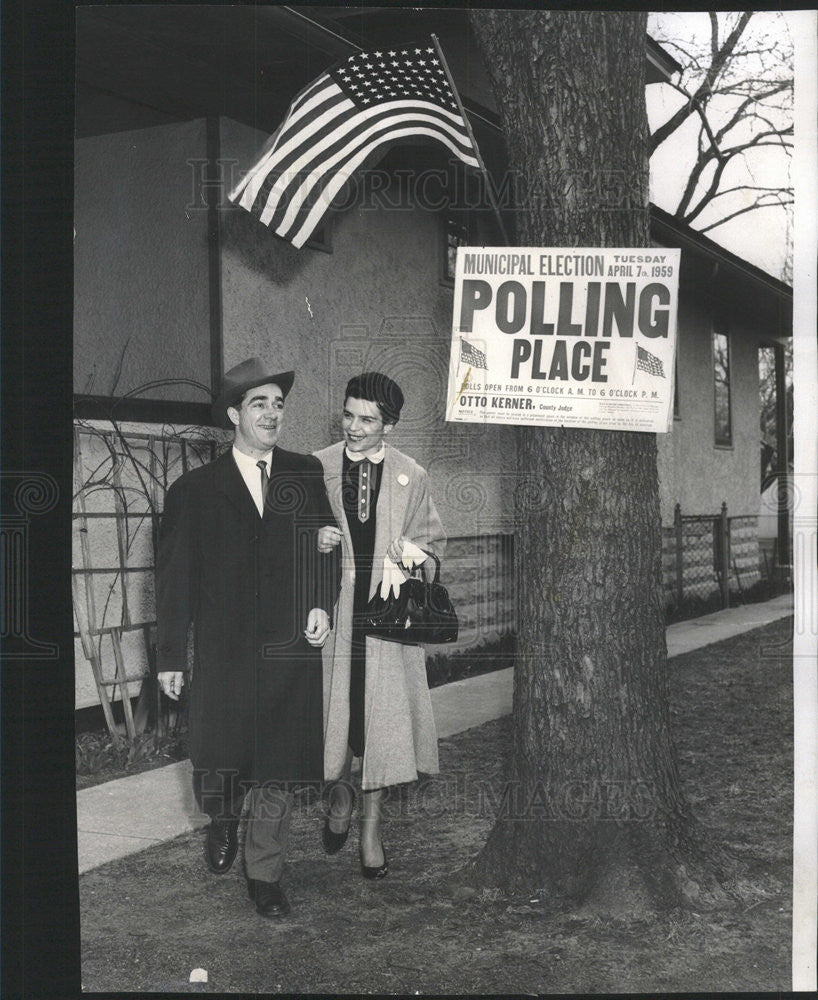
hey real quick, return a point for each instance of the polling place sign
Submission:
(571, 337)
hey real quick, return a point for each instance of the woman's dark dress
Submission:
(363, 544)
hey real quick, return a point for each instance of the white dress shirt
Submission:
(251, 474)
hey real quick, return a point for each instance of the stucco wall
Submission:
(693, 470)
(140, 263)
(375, 302)
(141, 275)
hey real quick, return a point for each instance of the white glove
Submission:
(392, 578)
(412, 555)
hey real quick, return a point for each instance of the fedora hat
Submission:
(247, 375)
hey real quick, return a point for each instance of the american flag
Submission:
(648, 362)
(345, 119)
(471, 356)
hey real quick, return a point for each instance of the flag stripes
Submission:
(341, 120)
(647, 362)
(471, 356)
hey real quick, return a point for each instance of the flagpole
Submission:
(462, 387)
(265, 149)
(479, 156)
(457, 373)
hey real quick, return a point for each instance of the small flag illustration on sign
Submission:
(647, 362)
(471, 356)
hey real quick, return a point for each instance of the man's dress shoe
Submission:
(269, 897)
(221, 845)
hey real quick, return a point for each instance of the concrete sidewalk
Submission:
(121, 817)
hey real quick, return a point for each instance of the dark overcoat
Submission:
(246, 584)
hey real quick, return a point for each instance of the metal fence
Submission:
(713, 561)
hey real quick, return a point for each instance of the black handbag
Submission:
(422, 612)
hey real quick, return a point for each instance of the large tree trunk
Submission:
(594, 811)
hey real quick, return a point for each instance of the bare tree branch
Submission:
(733, 215)
(741, 111)
(739, 88)
(779, 192)
(700, 111)
(719, 57)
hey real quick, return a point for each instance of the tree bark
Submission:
(594, 809)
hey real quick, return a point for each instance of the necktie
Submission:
(265, 479)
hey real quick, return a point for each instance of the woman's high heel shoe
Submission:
(376, 871)
(333, 842)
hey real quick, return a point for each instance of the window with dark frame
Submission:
(721, 381)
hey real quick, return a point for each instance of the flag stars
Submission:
(397, 74)
(411, 79)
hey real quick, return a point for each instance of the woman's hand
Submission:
(328, 537)
(414, 556)
(395, 549)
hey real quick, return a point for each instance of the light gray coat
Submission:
(400, 735)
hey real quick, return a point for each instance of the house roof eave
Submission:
(661, 64)
(670, 232)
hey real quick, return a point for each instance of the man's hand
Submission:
(328, 537)
(317, 627)
(171, 681)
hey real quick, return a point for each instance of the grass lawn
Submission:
(150, 919)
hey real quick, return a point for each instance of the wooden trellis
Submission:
(92, 625)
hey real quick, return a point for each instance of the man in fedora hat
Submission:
(238, 560)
